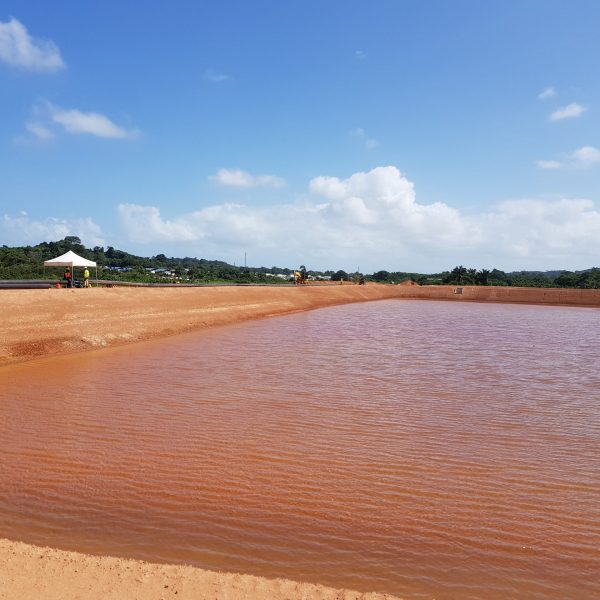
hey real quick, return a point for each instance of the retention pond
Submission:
(423, 448)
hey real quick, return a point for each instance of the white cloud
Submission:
(373, 219)
(92, 123)
(242, 179)
(531, 231)
(583, 157)
(586, 156)
(571, 111)
(144, 224)
(215, 226)
(370, 218)
(21, 229)
(48, 119)
(19, 49)
(39, 131)
(360, 55)
(215, 76)
(549, 92)
(370, 143)
(548, 164)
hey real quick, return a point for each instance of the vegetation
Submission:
(580, 279)
(26, 262)
(460, 275)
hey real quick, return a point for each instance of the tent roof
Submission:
(70, 259)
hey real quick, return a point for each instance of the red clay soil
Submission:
(35, 323)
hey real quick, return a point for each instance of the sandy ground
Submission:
(35, 323)
(34, 573)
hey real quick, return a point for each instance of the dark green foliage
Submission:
(26, 262)
(340, 276)
(585, 279)
(579, 279)
(381, 276)
(400, 276)
(461, 275)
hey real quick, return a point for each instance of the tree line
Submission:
(460, 275)
(26, 262)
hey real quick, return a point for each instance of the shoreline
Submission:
(32, 572)
(39, 323)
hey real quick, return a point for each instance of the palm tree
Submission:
(460, 274)
(482, 277)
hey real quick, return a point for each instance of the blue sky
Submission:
(399, 135)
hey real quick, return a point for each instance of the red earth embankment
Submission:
(35, 323)
(559, 296)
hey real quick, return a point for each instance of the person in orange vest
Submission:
(68, 277)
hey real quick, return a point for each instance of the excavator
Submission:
(300, 275)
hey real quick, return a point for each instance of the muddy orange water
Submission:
(430, 449)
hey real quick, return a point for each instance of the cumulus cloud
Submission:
(22, 229)
(546, 93)
(215, 227)
(19, 49)
(549, 232)
(242, 179)
(145, 224)
(586, 156)
(373, 219)
(571, 111)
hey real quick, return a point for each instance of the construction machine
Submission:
(300, 275)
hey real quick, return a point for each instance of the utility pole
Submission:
(244, 260)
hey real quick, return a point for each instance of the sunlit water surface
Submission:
(430, 449)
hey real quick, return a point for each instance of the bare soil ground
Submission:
(34, 573)
(36, 323)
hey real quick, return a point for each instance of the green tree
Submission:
(339, 276)
(381, 276)
(458, 276)
(482, 277)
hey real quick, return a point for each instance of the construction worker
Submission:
(86, 278)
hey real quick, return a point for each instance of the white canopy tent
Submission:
(70, 259)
